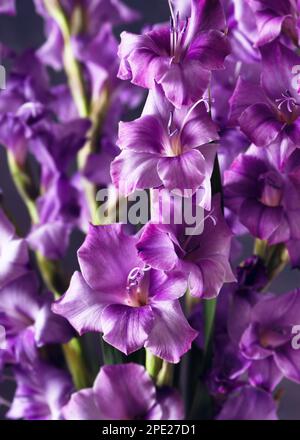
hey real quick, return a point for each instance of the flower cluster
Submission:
(218, 134)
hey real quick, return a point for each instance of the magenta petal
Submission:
(245, 95)
(171, 336)
(210, 49)
(83, 306)
(185, 172)
(127, 328)
(132, 170)
(277, 80)
(179, 83)
(265, 374)
(138, 135)
(271, 29)
(259, 123)
(288, 361)
(199, 130)
(102, 269)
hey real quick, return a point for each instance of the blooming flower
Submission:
(13, 251)
(119, 295)
(270, 109)
(42, 391)
(174, 55)
(96, 14)
(275, 18)
(178, 157)
(133, 394)
(8, 7)
(23, 310)
(248, 403)
(264, 182)
(202, 257)
(268, 335)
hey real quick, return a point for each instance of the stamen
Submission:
(206, 102)
(185, 25)
(287, 99)
(172, 11)
(170, 123)
(135, 276)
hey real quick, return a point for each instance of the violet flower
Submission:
(59, 212)
(42, 391)
(96, 14)
(13, 251)
(132, 393)
(179, 157)
(268, 334)
(119, 295)
(202, 258)
(8, 7)
(265, 183)
(249, 403)
(55, 146)
(174, 55)
(269, 109)
(275, 18)
(23, 309)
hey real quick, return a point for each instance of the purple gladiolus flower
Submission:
(268, 334)
(23, 309)
(8, 7)
(119, 295)
(96, 14)
(276, 17)
(179, 157)
(132, 392)
(202, 258)
(174, 55)
(13, 251)
(59, 211)
(55, 146)
(265, 183)
(249, 403)
(270, 109)
(42, 391)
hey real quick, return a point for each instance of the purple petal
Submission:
(156, 247)
(183, 172)
(129, 387)
(260, 124)
(132, 170)
(171, 336)
(249, 403)
(106, 258)
(8, 7)
(265, 374)
(138, 135)
(127, 328)
(83, 306)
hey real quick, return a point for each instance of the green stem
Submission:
(51, 271)
(72, 66)
(75, 361)
(165, 376)
(153, 364)
(24, 184)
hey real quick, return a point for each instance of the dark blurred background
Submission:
(26, 31)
